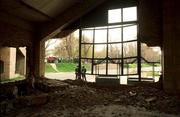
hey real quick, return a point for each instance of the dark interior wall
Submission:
(150, 22)
(99, 16)
(171, 44)
(14, 36)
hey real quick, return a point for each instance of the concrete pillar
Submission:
(29, 61)
(20, 61)
(42, 58)
(171, 46)
(12, 63)
(38, 58)
(4, 56)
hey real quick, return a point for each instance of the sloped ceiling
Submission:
(50, 7)
(35, 10)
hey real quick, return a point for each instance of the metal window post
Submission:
(80, 38)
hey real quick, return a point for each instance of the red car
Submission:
(52, 59)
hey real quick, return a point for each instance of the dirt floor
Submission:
(82, 99)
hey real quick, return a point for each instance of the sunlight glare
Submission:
(130, 14)
(114, 16)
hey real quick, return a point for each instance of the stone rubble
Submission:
(77, 97)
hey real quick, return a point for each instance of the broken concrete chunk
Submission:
(151, 99)
(132, 93)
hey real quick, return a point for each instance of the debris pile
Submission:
(76, 97)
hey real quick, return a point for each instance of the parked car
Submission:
(52, 59)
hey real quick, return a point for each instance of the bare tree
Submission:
(49, 43)
(149, 54)
(68, 48)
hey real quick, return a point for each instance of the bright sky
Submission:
(129, 14)
(157, 49)
(53, 43)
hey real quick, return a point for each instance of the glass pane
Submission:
(86, 50)
(150, 70)
(97, 64)
(115, 35)
(87, 36)
(113, 69)
(100, 68)
(130, 49)
(146, 70)
(130, 33)
(114, 16)
(87, 64)
(101, 36)
(130, 66)
(100, 51)
(130, 14)
(114, 50)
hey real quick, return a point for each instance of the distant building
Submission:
(14, 62)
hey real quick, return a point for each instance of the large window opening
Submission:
(150, 62)
(61, 56)
(106, 47)
(111, 50)
(115, 50)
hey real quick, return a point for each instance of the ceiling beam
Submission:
(19, 9)
(36, 10)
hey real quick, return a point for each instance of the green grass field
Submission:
(66, 67)
(12, 79)
(49, 69)
(63, 67)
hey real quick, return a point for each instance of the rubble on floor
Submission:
(77, 98)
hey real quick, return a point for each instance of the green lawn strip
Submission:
(12, 79)
(150, 73)
(49, 69)
(130, 65)
(142, 65)
(66, 67)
